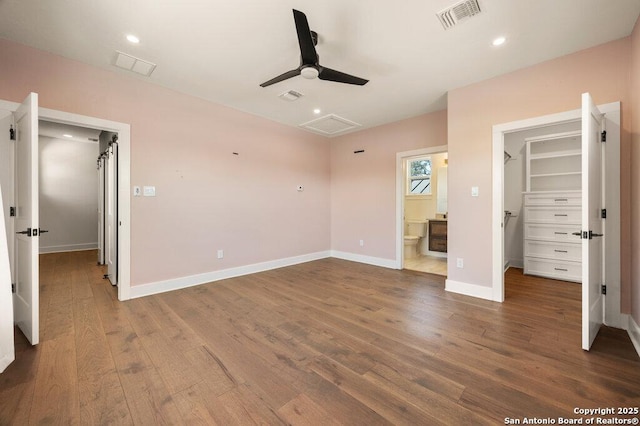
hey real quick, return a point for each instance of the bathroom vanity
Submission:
(438, 235)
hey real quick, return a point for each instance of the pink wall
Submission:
(635, 173)
(546, 88)
(363, 186)
(207, 198)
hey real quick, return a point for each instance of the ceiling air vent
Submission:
(290, 95)
(131, 63)
(459, 12)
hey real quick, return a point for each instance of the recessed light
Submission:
(66, 135)
(499, 41)
(133, 39)
(317, 111)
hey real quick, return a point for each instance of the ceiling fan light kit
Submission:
(309, 60)
(309, 72)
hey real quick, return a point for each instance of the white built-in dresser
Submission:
(552, 206)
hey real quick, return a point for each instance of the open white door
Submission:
(27, 292)
(7, 348)
(592, 227)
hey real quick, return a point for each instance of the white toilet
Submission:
(415, 230)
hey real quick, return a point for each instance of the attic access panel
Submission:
(330, 125)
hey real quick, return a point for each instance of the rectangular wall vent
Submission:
(459, 12)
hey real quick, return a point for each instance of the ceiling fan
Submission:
(309, 60)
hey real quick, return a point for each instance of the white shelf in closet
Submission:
(552, 201)
(554, 162)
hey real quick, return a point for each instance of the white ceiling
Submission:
(222, 50)
(68, 132)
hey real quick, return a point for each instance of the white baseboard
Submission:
(467, 289)
(193, 280)
(369, 260)
(634, 333)
(68, 247)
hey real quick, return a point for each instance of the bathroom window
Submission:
(419, 176)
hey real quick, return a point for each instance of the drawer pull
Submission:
(560, 251)
(561, 199)
(561, 233)
(561, 215)
(561, 269)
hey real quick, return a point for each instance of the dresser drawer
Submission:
(553, 214)
(551, 250)
(553, 199)
(556, 269)
(539, 231)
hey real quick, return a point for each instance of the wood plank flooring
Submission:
(322, 343)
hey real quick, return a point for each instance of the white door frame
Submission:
(613, 317)
(124, 179)
(400, 182)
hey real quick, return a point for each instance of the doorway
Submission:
(421, 210)
(123, 201)
(501, 223)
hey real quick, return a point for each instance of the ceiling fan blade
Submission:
(307, 48)
(281, 77)
(340, 77)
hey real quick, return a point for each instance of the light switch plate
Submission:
(137, 191)
(475, 191)
(149, 191)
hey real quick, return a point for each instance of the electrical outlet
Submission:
(361, 243)
(460, 262)
(220, 254)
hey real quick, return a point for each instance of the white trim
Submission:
(68, 247)
(369, 260)
(207, 277)
(499, 131)
(9, 106)
(634, 333)
(474, 290)
(398, 263)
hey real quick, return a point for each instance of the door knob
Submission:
(27, 232)
(42, 231)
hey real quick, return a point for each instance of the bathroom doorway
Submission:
(421, 202)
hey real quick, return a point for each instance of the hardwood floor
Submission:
(326, 342)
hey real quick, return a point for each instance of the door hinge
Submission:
(603, 213)
(603, 289)
(13, 287)
(12, 211)
(12, 133)
(603, 136)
